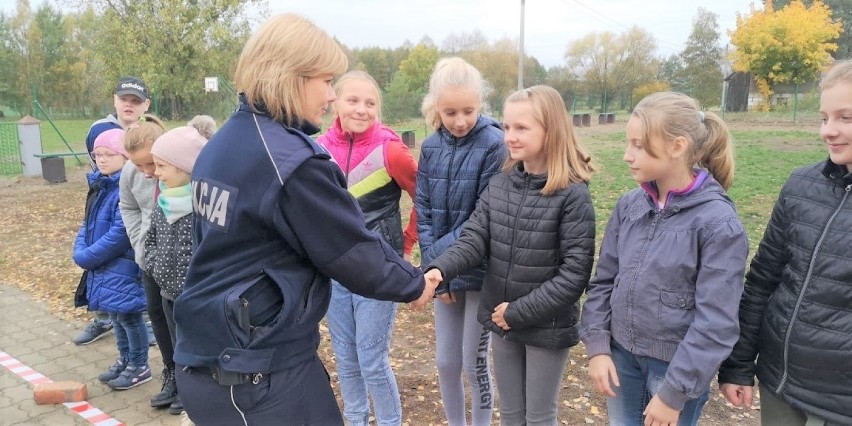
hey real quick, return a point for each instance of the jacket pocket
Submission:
(676, 312)
(251, 306)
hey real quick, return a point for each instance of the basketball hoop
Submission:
(211, 84)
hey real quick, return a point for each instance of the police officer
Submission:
(273, 221)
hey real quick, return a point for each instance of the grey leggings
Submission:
(528, 380)
(462, 344)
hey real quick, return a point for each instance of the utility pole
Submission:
(521, 51)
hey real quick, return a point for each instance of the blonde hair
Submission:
(279, 58)
(840, 72)
(359, 75)
(205, 125)
(143, 134)
(454, 73)
(670, 115)
(567, 160)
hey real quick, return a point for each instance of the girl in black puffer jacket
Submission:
(795, 317)
(536, 224)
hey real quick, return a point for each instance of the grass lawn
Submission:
(765, 155)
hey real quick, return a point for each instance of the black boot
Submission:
(168, 393)
(177, 406)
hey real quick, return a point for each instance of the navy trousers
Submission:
(301, 395)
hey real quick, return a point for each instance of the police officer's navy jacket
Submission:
(273, 221)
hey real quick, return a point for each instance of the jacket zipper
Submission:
(349, 157)
(805, 287)
(449, 175)
(630, 289)
(90, 228)
(512, 242)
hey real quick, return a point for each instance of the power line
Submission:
(619, 24)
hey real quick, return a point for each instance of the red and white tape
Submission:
(82, 409)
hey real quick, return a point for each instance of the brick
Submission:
(59, 392)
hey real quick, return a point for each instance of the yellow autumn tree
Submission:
(791, 45)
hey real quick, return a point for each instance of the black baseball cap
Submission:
(131, 86)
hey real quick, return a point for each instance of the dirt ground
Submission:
(38, 222)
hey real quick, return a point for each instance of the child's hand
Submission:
(447, 298)
(436, 275)
(602, 372)
(497, 316)
(431, 281)
(657, 413)
(738, 395)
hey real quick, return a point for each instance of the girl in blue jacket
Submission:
(661, 313)
(455, 165)
(103, 249)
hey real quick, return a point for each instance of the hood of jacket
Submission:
(482, 122)
(701, 190)
(98, 180)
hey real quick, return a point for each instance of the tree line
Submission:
(69, 60)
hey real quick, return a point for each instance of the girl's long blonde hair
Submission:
(670, 115)
(453, 73)
(840, 72)
(567, 160)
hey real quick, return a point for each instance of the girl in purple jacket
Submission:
(661, 313)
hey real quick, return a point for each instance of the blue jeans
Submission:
(640, 378)
(131, 337)
(361, 331)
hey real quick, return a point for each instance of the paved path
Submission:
(30, 334)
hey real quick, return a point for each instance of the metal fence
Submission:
(10, 150)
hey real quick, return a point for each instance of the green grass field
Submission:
(765, 155)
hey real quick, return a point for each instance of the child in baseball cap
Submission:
(131, 100)
(132, 86)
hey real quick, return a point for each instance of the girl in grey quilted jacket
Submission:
(661, 312)
(536, 225)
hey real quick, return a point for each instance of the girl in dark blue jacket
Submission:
(103, 249)
(455, 165)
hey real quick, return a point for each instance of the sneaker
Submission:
(131, 377)
(168, 392)
(177, 407)
(114, 371)
(94, 331)
(152, 340)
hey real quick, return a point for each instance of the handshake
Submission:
(432, 278)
